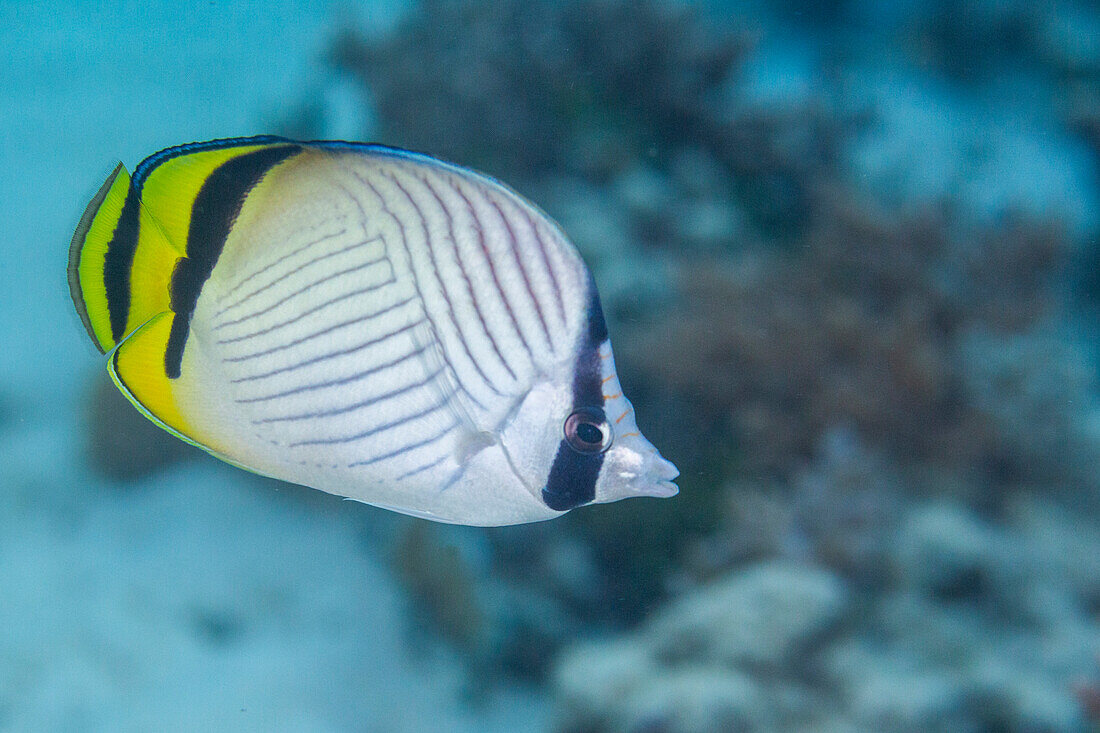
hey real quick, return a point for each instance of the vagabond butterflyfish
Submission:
(364, 320)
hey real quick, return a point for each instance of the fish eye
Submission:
(587, 431)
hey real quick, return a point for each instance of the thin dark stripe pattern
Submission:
(382, 371)
(471, 293)
(408, 446)
(340, 382)
(421, 413)
(308, 312)
(422, 468)
(514, 247)
(344, 409)
(295, 271)
(538, 237)
(308, 245)
(461, 335)
(328, 355)
(480, 232)
(404, 241)
(383, 316)
(358, 320)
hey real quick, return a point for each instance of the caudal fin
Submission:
(120, 263)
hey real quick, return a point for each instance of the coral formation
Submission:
(505, 96)
(862, 327)
(777, 646)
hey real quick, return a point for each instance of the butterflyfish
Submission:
(364, 320)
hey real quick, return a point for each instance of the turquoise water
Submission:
(848, 256)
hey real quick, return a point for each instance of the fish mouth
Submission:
(645, 486)
(661, 474)
(657, 479)
(636, 469)
(661, 489)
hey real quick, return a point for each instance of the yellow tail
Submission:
(120, 263)
(137, 266)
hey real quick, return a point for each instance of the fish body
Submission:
(371, 322)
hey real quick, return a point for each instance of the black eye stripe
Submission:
(573, 474)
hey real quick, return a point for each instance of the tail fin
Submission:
(120, 263)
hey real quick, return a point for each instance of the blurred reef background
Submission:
(849, 255)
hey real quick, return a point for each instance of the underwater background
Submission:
(848, 252)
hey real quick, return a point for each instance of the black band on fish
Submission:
(118, 262)
(572, 479)
(597, 325)
(573, 475)
(213, 213)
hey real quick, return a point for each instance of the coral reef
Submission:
(862, 327)
(781, 646)
(709, 661)
(504, 94)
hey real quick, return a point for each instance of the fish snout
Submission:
(639, 470)
(658, 476)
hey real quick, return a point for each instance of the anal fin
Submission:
(137, 368)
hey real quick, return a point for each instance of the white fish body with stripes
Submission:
(363, 320)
